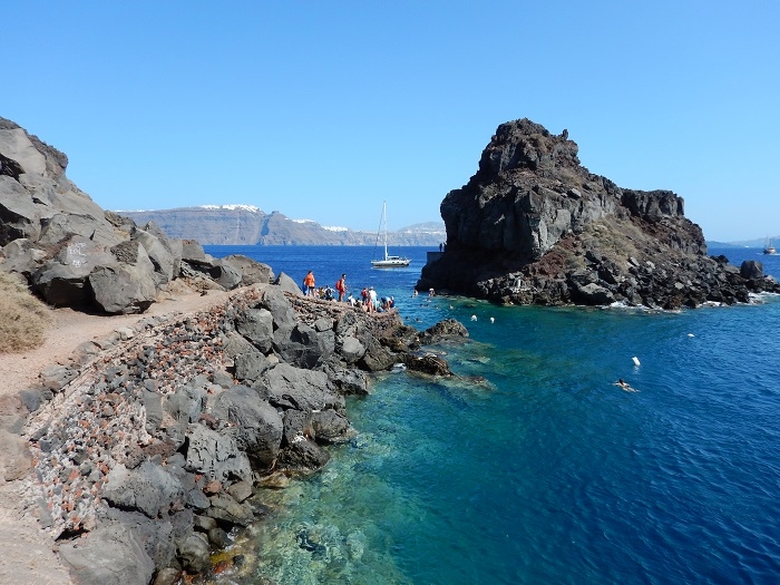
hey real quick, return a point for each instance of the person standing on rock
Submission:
(308, 284)
(341, 286)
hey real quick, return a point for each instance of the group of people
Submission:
(368, 300)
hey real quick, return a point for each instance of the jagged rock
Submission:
(448, 328)
(257, 426)
(273, 300)
(194, 553)
(752, 270)
(287, 284)
(303, 456)
(158, 248)
(185, 404)
(257, 325)
(252, 272)
(215, 456)
(330, 426)
(148, 488)
(128, 288)
(289, 387)
(300, 345)
(225, 508)
(349, 382)
(427, 363)
(534, 226)
(110, 555)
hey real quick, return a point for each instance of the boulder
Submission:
(300, 345)
(257, 325)
(149, 489)
(252, 272)
(215, 456)
(286, 386)
(330, 426)
(273, 300)
(256, 426)
(158, 249)
(112, 554)
(123, 289)
(287, 284)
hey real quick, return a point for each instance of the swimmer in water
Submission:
(625, 386)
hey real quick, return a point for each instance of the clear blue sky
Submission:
(321, 110)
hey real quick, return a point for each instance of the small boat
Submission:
(769, 248)
(388, 261)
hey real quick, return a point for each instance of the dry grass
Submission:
(23, 318)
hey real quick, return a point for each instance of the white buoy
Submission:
(473, 317)
(691, 335)
(492, 319)
(636, 361)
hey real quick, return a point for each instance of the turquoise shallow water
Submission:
(533, 467)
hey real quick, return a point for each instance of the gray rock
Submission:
(158, 249)
(292, 387)
(226, 509)
(194, 553)
(593, 294)
(255, 424)
(352, 350)
(192, 251)
(110, 555)
(148, 488)
(250, 365)
(303, 456)
(287, 284)
(752, 270)
(185, 404)
(273, 300)
(252, 272)
(300, 345)
(153, 408)
(257, 325)
(330, 426)
(215, 456)
(127, 288)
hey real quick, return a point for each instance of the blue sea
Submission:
(532, 466)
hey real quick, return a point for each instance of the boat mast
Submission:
(384, 222)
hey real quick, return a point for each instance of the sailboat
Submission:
(388, 261)
(769, 248)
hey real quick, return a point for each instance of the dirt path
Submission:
(26, 553)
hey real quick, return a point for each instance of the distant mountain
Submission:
(757, 243)
(249, 225)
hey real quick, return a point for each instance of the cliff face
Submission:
(534, 226)
(246, 225)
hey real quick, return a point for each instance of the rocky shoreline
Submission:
(146, 450)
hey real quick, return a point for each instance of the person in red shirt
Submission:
(341, 286)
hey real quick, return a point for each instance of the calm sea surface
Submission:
(535, 468)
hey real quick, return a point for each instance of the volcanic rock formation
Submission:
(72, 253)
(534, 226)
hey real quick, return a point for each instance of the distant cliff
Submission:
(249, 225)
(534, 226)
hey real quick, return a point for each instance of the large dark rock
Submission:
(149, 489)
(215, 456)
(286, 386)
(257, 426)
(534, 226)
(110, 555)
